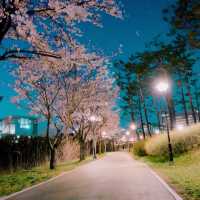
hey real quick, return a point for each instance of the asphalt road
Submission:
(115, 177)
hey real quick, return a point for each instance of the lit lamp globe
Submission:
(127, 133)
(179, 127)
(133, 126)
(104, 134)
(157, 131)
(92, 118)
(162, 86)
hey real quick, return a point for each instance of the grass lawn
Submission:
(184, 175)
(16, 181)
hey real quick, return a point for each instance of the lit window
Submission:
(12, 129)
(25, 123)
(7, 128)
(1, 126)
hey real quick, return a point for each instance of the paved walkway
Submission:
(115, 177)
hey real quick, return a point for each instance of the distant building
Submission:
(19, 125)
(180, 119)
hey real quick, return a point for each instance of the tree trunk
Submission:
(191, 100)
(184, 104)
(145, 111)
(157, 113)
(10, 161)
(197, 102)
(82, 150)
(100, 151)
(94, 149)
(5, 25)
(147, 120)
(48, 126)
(133, 120)
(52, 158)
(113, 142)
(105, 148)
(172, 114)
(141, 119)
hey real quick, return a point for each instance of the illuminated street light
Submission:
(133, 127)
(127, 133)
(163, 87)
(92, 118)
(179, 127)
(104, 134)
(157, 131)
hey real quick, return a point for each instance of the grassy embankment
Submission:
(184, 174)
(21, 179)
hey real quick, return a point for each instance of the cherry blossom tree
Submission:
(84, 97)
(60, 80)
(63, 94)
(46, 23)
(38, 88)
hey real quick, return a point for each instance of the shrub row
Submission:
(139, 148)
(182, 141)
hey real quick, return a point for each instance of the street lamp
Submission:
(127, 133)
(94, 120)
(179, 127)
(133, 126)
(163, 87)
(104, 136)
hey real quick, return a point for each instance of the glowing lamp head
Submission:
(127, 133)
(162, 86)
(103, 133)
(133, 126)
(179, 127)
(93, 118)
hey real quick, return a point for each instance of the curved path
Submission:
(115, 177)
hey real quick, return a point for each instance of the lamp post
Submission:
(104, 139)
(133, 127)
(163, 87)
(94, 120)
(128, 134)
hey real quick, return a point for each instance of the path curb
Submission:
(169, 189)
(164, 183)
(34, 186)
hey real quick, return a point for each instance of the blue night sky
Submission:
(143, 21)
